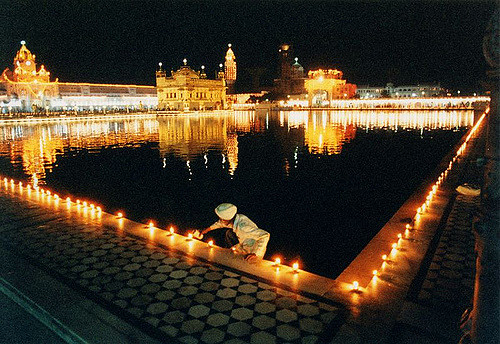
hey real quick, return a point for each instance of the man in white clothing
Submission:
(243, 236)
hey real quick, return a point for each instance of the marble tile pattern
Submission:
(166, 293)
(450, 278)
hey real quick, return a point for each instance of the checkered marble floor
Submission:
(167, 294)
(450, 279)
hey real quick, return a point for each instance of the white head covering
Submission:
(226, 211)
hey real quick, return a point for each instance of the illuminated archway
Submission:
(320, 98)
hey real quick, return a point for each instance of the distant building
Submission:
(409, 91)
(325, 85)
(291, 76)
(28, 88)
(187, 89)
(230, 69)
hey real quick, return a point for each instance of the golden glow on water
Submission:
(35, 146)
(327, 131)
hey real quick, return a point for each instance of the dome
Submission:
(297, 69)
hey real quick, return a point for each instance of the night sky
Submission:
(371, 42)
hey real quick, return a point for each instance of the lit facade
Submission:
(187, 89)
(28, 88)
(230, 69)
(408, 91)
(325, 85)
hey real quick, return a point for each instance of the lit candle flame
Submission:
(120, 215)
(190, 236)
(211, 243)
(151, 224)
(277, 261)
(375, 272)
(171, 230)
(384, 257)
(295, 267)
(355, 285)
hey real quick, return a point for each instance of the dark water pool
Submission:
(321, 183)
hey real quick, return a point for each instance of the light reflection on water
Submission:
(35, 146)
(329, 178)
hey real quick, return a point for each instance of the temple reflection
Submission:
(34, 147)
(325, 132)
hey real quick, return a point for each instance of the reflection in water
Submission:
(327, 131)
(328, 178)
(324, 132)
(36, 146)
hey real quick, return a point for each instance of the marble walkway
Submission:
(444, 286)
(165, 293)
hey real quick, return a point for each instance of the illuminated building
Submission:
(409, 91)
(291, 75)
(326, 85)
(188, 90)
(27, 88)
(230, 69)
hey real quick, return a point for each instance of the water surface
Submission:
(322, 183)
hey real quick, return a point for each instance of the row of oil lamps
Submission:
(277, 261)
(97, 210)
(422, 209)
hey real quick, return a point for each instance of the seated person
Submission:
(243, 236)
